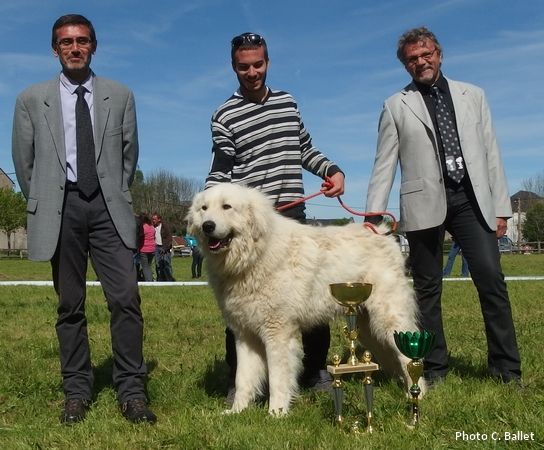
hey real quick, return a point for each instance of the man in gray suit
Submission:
(452, 178)
(78, 206)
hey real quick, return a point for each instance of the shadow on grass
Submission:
(215, 381)
(103, 374)
(465, 368)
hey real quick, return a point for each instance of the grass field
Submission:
(187, 384)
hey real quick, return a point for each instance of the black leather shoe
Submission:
(510, 378)
(136, 411)
(74, 411)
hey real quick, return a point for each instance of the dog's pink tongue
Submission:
(214, 245)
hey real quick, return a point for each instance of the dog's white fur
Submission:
(271, 277)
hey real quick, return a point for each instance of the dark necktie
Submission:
(87, 179)
(455, 164)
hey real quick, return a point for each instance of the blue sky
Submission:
(336, 58)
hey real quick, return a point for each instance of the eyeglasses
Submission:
(82, 42)
(247, 39)
(426, 56)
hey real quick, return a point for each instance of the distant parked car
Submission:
(182, 251)
(180, 247)
(506, 245)
(404, 246)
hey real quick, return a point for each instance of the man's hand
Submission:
(501, 227)
(337, 187)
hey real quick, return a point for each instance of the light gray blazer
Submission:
(40, 159)
(406, 136)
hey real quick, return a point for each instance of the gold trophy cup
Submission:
(351, 296)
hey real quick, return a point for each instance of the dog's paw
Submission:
(237, 407)
(228, 412)
(278, 412)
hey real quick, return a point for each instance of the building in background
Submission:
(6, 181)
(18, 239)
(521, 201)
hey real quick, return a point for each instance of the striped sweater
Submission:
(265, 146)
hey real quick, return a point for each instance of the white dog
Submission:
(271, 277)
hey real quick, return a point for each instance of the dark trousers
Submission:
(479, 246)
(163, 264)
(87, 229)
(146, 260)
(196, 264)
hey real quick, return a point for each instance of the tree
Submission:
(164, 193)
(533, 226)
(534, 184)
(342, 221)
(138, 192)
(12, 212)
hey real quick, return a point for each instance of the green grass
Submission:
(512, 264)
(17, 269)
(184, 350)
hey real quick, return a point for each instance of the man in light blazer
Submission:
(465, 194)
(66, 223)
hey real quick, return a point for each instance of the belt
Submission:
(71, 186)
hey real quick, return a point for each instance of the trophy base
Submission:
(337, 370)
(342, 369)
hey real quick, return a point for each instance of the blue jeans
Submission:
(454, 251)
(146, 259)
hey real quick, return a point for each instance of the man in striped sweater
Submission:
(259, 140)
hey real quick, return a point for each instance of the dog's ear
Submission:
(190, 221)
(190, 218)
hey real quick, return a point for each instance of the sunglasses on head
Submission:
(247, 39)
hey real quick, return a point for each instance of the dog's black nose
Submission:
(208, 226)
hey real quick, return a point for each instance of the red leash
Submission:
(327, 183)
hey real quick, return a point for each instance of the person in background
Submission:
(147, 248)
(452, 179)
(454, 251)
(75, 150)
(259, 140)
(163, 252)
(198, 257)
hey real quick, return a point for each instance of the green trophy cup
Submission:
(414, 345)
(351, 296)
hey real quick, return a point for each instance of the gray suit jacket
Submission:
(40, 159)
(406, 136)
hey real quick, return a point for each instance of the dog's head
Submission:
(229, 221)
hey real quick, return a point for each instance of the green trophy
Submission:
(351, 296)
(414, 345)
